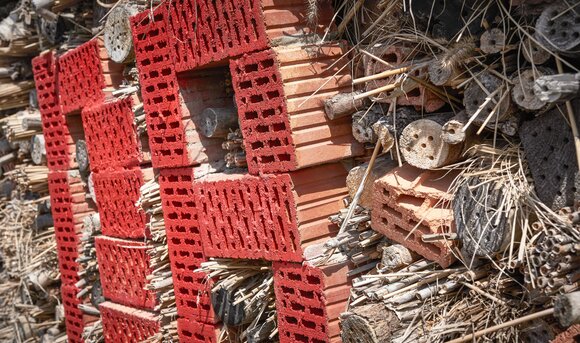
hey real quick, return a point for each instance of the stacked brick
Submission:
(187, 52)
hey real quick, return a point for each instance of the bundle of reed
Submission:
(15, 95)
(243, 297)
(160, 280)
(234, 145)
(30, 178)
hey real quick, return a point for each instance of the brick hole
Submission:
(297, 307)
(257, 145)
(251, 115)
(392, 212)
(249, 68)
(262, 128)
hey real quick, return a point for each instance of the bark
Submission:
(475, 96)
(372, 323)
(82, 156)
(382, 166)
(342, 105)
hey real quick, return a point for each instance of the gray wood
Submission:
(523, 94)
(82, 156)
(558, 29)
(117, 35)
(218, 122)
(362, 125)
(372, 323)
(475, 96)
(38, 150)
(557, 88)
(492, 41)
(342, 105)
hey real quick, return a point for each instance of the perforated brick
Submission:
(124, 266)
(414, 202)
(270, 217)
(283, 123)
(111, 136)
(309, 301)
(207, 31)
(74, 318)
(117, 193)
(400, 56)
(69, 208)
(80, 77)
(122, 324)
(191, 331)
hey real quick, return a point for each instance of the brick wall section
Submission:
(309, 301)
(284, 125)
(73, 317)
(122, 324)
(410, 199)
(400, 56)
(190, 331)
(116, 193)
(111, 136)
(69, 208)
(206, 31)
(59, 154)
(80, 77)
(124, 266)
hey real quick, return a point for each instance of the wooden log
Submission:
(389, 127)
(452, 131)
(82, 156)
(353, 180)
(533, 53)
(492, 41)
(476, 96)
(32, 123)
(38, 150)
(558, 29)
(523, 91)
(396, 256)
(343, 104)
(117, 36)
(557, 88)
(422, 146)
(362, 125)
(372, 323)
(218, 122)
(43, 206)
(43, 221)
(567, 309)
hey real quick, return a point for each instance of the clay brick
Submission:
(270, 217)
(122, 324)
(111, 136)
(283, 123)
(409, 199)
(202, 32)
(400, 56)
(80, 77)
(124, 266)
(190, 331)
(74, 318)
(571, 335)
(117, 193)
(309, 301)
(69, 208)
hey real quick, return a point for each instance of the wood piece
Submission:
(354, 178)
(422, 146)
(43, 221)
(372, 323)
(82, 156)
(523, 91)
(261, 333)
(452, 131)
(492, 41)
(475, 96)
(222, 300)
(38, 150)
(558, 28)
(218, 122)
(362, 122)
(396, 256)
(343, 104)
(32, 123)
(534, 53)
(557, 88)
(567, 309)
(118, 38)
(390, 127)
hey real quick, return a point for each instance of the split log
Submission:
(372, 323)
(492, 41)
(523, 92)
(223, 299)
(390, 127)
(43, 221)
(452, 131)
(31, 123)
(343, 104)
(422, 146)
(82, 156)
(558, 29)
(475, 96)
(567, 309)
(218, 122)
(118, 38)
(38, 150)
(533, 53)
(362, 125)
(557, 88)
(382, 166)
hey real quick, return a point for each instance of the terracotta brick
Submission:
(190, 331)
(74, 318)
(412, 202)
(122, 324)
(571, 335)
(283, 123)
(309, 301)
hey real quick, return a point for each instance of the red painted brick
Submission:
(80, 77)
(571, 335)
(309, 301)
(400, 56)
(283, 124)
(124, 266)
(202, 32)
(117, 193)
(69, 208)
(270, 217)
(122, 324)
(410, 199)
(111, 136)
(74, 318)
(191, 331)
